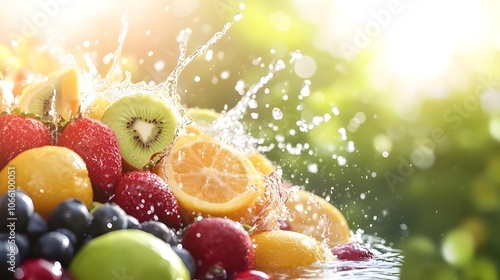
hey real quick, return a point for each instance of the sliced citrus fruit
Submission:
(210, 178)
(261, 163)
(97, 108)
(277, 249)
(60, 91)
(203, 117)
(49, 175)
(314, 216)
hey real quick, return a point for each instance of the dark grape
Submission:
(133, 223)
(71, 214)
(16, 208)
(187, 259)
(9, 258)
(54, 246)
(108, 217)
(37, 226)
(161, 231)
(71, 236)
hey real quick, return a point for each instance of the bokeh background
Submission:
(389, 108)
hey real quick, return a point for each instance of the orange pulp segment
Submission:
(210, 178)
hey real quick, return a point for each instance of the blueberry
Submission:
(23, 244)
(187, 259)
(107, 218)
(16, 208)
(133, 223)
(9, 258)
(71, 214)
(37, 226)
(161, 231)
(54, 246)
(71, 236)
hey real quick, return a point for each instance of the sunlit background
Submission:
(391, 109)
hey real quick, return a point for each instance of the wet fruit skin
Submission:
(279, 249)
(130, 253)
(98, 146)
(219, 242)
(352, 251)
(109, 217)
(145, 196)
(49, 175)
(70, 214)
(24, 210)
(40, 269)
(20, 133)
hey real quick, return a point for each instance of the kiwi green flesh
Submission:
(143, 125)
(41, 104)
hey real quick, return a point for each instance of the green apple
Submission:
(127, 254)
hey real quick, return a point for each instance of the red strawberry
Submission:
(352, 251)
(219, 242)
(97, 144)
(145, 196)
(19, 133)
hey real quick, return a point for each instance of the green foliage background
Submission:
(418, 210)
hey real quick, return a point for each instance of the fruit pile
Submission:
(126, 189)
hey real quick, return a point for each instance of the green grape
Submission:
(458, 247)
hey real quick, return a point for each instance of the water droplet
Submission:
(209, 55)
(277, 113)
(341, 160)
(184, 35)
(159, 65)
(238, 17)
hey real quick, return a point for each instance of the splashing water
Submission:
(230, 128)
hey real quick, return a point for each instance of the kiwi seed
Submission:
(143, 125)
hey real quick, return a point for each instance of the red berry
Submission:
(19, 133)
(145, 196)
(251, 275)
(39, 269)
(219, 242)
(98, 146)
(352, 251)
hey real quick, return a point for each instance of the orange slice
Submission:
(210, 178)
(261, 163)
(316, 217)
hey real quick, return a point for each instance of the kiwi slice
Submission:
(58, 95)
(144, 126)
(39, 99)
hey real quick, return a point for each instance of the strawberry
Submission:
(97, 144)
(219, 242)
(145, 196)
(19, 133)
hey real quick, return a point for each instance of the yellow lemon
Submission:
(278, 249)
(49, 175)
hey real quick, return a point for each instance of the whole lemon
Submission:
(49, 175)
